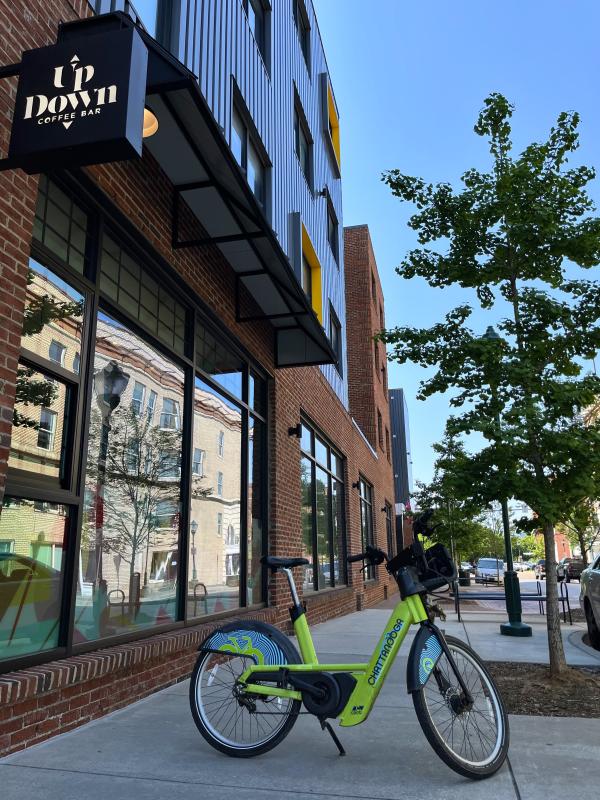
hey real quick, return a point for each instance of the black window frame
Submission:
(336, 341)
(300, 124)
(310, 455)
(70, 491)
(263, 39)
(389, 529)
(333, 222)
(303, 30)
(251, 139)
(367, 533)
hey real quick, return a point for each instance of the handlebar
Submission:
(372, 554)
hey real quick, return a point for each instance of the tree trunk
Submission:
(555, 644)
(582, 546)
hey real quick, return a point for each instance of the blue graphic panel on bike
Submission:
(257, 646)
(429, 657)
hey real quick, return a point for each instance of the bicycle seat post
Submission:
(293, 590)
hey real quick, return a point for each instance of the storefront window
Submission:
(60, 225)
(32, 545)
(256, 459)
(128, 564)
(114, 408)
(52, 331)
(321, 477)
(366, 522)
(216, 494)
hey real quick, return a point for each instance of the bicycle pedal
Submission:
(326, 726)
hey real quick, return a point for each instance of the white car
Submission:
(589, 600)
(489, 569)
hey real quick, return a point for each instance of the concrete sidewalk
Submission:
(152, 749)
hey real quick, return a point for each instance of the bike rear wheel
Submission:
(472, 741)
(231, 721)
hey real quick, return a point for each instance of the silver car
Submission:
(589, 600)
(489, 569)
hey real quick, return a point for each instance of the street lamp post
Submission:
(109, 385)
(193, 530)
(512, 591)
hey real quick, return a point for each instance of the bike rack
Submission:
(203, 599)
(563, 598)
(121, 602)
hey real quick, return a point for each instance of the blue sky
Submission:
(410, 77)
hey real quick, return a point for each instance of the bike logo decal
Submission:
(429, 658)
(357, 710)
(256, 645)
(388, 643)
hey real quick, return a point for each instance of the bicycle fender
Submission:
(264, 643)
(424, 654)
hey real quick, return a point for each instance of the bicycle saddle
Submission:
(277, 562)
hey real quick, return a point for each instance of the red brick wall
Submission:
(40, 701)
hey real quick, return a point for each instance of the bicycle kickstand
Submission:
(327, 727)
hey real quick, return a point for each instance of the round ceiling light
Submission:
(150, 124)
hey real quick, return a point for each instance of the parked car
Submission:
(569, 568)
(540, 569)
(589, 600)
(521, 566)
(489, 569)
(467, 566)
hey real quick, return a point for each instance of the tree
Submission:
(31, 391)
(142, 476)
(582, 527)
(509, 235)
(458, 520)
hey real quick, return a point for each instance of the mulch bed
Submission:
(529, 689)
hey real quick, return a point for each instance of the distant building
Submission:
(401, 456)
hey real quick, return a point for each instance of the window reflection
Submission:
(39, 421)
(255, 514)
(215, 528)
(33, 538)
(130, 537)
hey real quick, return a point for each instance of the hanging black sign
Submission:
(81, 102)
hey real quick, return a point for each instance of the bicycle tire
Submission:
(289, 655)
(466, 767)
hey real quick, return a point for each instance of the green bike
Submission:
(249, 682)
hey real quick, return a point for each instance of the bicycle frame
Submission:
(370, 677)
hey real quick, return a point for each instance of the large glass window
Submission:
(366, 521)
(216, 495)
(60, 225)
(125, 436)
(127, 578)
(131, 286)
(322, 498)
(32, 545)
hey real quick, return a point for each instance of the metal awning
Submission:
(191, 149)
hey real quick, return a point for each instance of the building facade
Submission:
(177, 378)
(401, 457)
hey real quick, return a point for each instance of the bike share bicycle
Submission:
(249, 682)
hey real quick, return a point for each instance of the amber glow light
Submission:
(150, 124)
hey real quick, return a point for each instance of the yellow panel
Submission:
(334, 122)
(315, 267)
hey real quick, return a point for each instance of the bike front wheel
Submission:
(472, 739)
